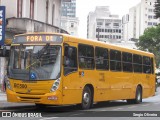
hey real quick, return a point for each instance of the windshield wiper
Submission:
(39, 55)
(41, 52)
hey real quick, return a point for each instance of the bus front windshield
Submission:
(35, 62)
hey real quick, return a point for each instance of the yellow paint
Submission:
(110, 86)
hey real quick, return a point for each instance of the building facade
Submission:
(141, 17)
(69, 21)
(70, 24)
(125, 27)
(103, 26)
(32, 16)
(69, 8)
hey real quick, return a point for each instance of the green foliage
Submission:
(157, 9)
(150, 41)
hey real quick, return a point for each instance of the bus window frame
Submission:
(86, 57)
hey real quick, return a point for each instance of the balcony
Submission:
(24, 25)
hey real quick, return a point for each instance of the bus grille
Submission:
(31, 93)
(29, 99)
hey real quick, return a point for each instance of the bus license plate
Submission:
(22, 86)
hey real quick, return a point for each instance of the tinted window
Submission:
(70, 58)
(146, 65)
(115, 60)
(137, 63)
(101, 58)
(127, 62)
(86, 56)
(152, 65)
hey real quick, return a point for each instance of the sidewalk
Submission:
(3, 96)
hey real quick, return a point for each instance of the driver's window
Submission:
(70, 59)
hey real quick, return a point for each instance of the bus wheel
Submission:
(138, 98)
(86, 98)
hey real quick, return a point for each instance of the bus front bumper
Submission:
(54, 98)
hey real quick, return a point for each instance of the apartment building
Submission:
(104, 26)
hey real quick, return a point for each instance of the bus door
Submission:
(72, 86)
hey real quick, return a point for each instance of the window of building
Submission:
(114, 37)
(137, 63)
(110, 36)
(149, 10)
(19, 8)
(100, 23)
(32, 9)
(149, 16)
(101, 55)
(72, 25)
(154, 23)
(115, 60)
(127, 62)
(117, 37)
(116, 24)
(149, 23)
(146, 65)
(107, 24)
(154, 17)
(70, 59)
(86, 56)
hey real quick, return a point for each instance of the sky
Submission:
(118, 7)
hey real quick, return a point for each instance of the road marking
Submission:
(48, 118)
(132, 106)
(118, 109)
(102, 110)
(156, 103)
(145, 105)
(76, 114)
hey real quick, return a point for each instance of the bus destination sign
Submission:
(37, 38)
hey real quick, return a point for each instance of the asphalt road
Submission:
(149, 109)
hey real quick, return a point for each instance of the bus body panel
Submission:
(107, 84)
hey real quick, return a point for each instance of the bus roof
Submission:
(107, 45)
(91, 42)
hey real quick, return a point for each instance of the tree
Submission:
(150, 41)
(157, 9)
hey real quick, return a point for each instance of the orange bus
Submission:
(59, 69)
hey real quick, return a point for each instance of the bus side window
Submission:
(86, 56)
(147, 68)
(115, 60)
(70, 59)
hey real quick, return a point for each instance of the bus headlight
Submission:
(8, 85)
(55, 85)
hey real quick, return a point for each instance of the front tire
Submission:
(86, 98)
